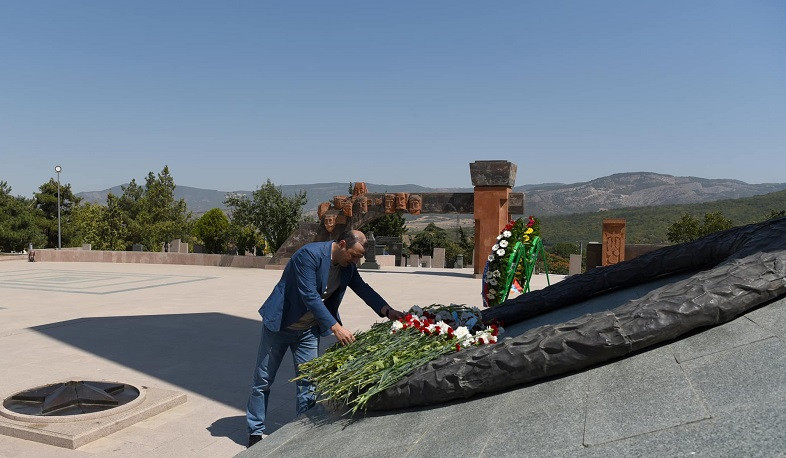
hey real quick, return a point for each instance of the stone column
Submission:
(613, 241)
(493, 182)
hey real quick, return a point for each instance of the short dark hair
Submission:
(350, 238)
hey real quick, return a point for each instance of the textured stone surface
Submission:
(745, 376)
(708, 341)
(772, 318)
(493, 173)
(639, 395)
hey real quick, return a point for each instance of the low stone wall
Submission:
(145, 257)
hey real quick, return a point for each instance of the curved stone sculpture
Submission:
(732, 272)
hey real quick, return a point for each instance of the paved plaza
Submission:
(185, 328)
(714, 392)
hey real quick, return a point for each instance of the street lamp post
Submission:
(58, 169)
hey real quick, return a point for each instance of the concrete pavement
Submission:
(191, 329)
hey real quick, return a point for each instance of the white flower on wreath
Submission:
(496, 247)
(492, 282)
(491, 258)
(462, 333)
(397, 326)
(443, 327)
(499, 236)
(497, 274)
(506, 234)
(492, 291)
(503, 243)
(500, 252)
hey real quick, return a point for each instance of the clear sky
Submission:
(229, 93)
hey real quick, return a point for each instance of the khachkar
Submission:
(492, 204)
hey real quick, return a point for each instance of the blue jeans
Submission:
(272, 346)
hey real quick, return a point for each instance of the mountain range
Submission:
(632, 189)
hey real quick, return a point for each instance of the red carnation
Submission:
(458, 347)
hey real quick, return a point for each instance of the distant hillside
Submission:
(649, 224)
(621, 190)
(637, 189)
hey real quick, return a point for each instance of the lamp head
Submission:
(58, 169)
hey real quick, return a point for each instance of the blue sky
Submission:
(230, 93)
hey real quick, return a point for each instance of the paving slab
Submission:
(718, 339)
(747, 376)
(639, 395)
(771, 317)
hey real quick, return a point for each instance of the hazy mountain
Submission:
(635, 189)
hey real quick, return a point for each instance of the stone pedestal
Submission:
(438, 261)
(386, 260)
(413, 260)
(425, 261)
(493, 181)
(613, 241)
(575, 264)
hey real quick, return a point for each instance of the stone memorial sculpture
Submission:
(728, 273)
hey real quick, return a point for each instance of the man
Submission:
(303, 306)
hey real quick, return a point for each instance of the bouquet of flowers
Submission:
(384, 354)
(502, 268)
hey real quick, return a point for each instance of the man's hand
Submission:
(392, 314)
(342, 334)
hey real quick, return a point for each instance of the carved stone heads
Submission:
(322, 209)
(338, 202)
(363, 202)
(401, 200)
(414, 204)
(390, 203)
(359, 189)
(330, 222)
(346, 206)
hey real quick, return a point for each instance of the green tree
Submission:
(129, 204)
(686, 229)
(213, 230)
(714, 222)
(774, 214)
(466, 245)
(392, 225)
(246, 238)
(46, 202)
(423, 243)
(150, 215)
(18, 221)
(272, 214)
(99, 225)
(162, 217)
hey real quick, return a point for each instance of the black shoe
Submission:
(254, 438)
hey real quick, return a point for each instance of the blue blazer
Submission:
(301, 286)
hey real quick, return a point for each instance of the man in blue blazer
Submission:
(302, 307)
